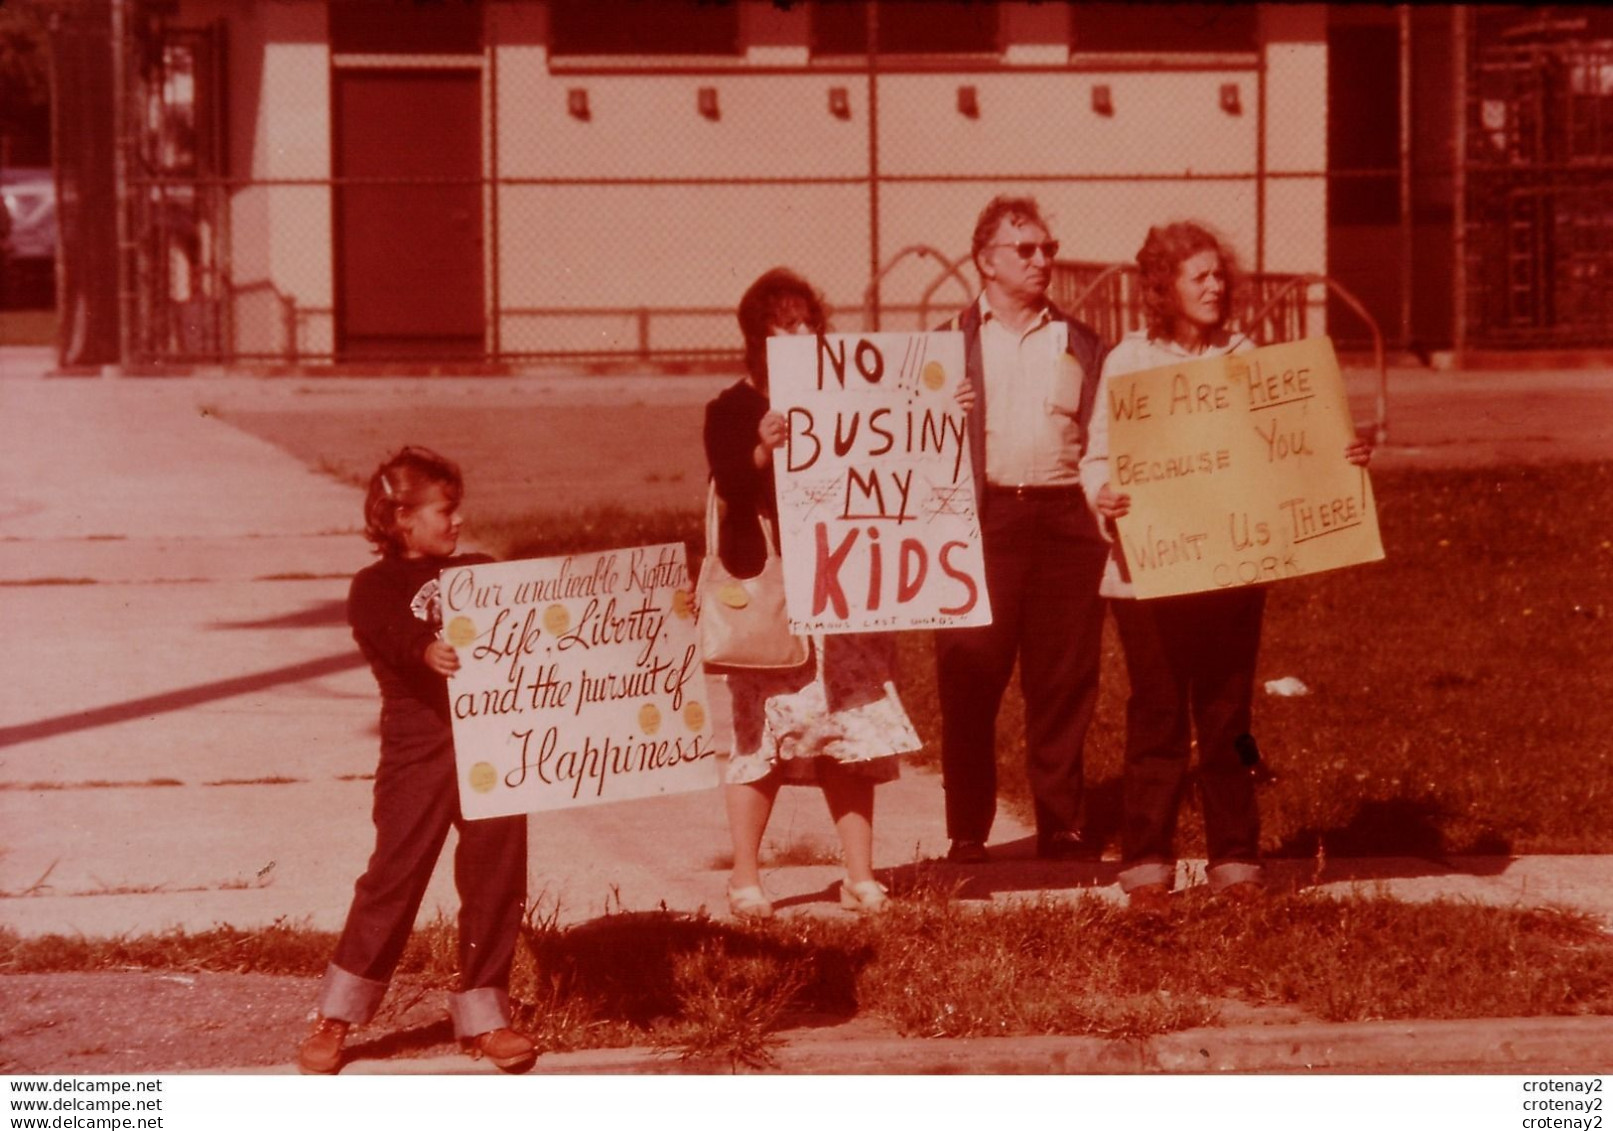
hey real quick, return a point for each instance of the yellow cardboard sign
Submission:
(1236, 471)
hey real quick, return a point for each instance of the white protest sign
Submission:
(1236, 471)
(877, 518)
(580, 681)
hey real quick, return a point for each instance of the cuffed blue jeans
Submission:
(1191, 662)
(416, 803)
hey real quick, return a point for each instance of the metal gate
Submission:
(1538, 224)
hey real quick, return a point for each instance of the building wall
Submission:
(278, 130)
(776, 177)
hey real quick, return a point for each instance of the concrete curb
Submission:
(1492, 1045)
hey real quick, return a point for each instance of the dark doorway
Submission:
(1397, 260)
(1363, 160)
(409, 280)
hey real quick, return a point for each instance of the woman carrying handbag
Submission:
(834, 719)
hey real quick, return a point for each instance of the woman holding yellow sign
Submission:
(1190, 658)
(835, 719)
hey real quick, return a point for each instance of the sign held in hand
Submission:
(1236, 471)
(580, 681)
(877, 519)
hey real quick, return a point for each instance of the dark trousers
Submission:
(416, 802)
(1191, 661)
(1044, 558)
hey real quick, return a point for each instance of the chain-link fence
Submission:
(313, 186)
(471, 198)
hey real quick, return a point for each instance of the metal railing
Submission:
(1301, 285)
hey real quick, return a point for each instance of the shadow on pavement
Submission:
(1014, 867)
(1407, 828)
(183, 699)
(404, 1042)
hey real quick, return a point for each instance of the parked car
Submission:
(29, 248)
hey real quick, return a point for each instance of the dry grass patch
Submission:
(722, 993)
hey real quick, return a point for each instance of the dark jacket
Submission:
(1083, 344)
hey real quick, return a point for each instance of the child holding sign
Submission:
(411, 514)
(1190, 658)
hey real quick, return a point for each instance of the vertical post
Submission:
(1459, 49)
(1407, 230)
(495, 238)
(59, 261)
(1260, 157)
(223, 199)
(872, 27)
(220, 196)
(120, 174)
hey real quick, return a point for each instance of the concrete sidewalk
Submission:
(187, 730)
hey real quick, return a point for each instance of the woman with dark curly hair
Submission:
(1190, 658)
(836, 721)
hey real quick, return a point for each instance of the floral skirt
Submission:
(842, 706)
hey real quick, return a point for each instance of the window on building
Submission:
(406, 27)
(643, 27)
(906, 27)
(1160, 28)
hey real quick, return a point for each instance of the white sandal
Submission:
(749, 903)
(865, 897)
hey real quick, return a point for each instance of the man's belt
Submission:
(1037, 492)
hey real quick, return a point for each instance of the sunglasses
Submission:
(1027, 249)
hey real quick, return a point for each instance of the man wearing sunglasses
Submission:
(1031, 378)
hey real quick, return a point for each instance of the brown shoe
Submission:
(507, 1049)
(968, 852)
(1244, 892)
(321, 1051)
(1149, 899)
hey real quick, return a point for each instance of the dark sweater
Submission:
(746, 490)
(395, 613)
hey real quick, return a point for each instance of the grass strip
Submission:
(938, 967)
(1457, 691)
(1457, 696)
